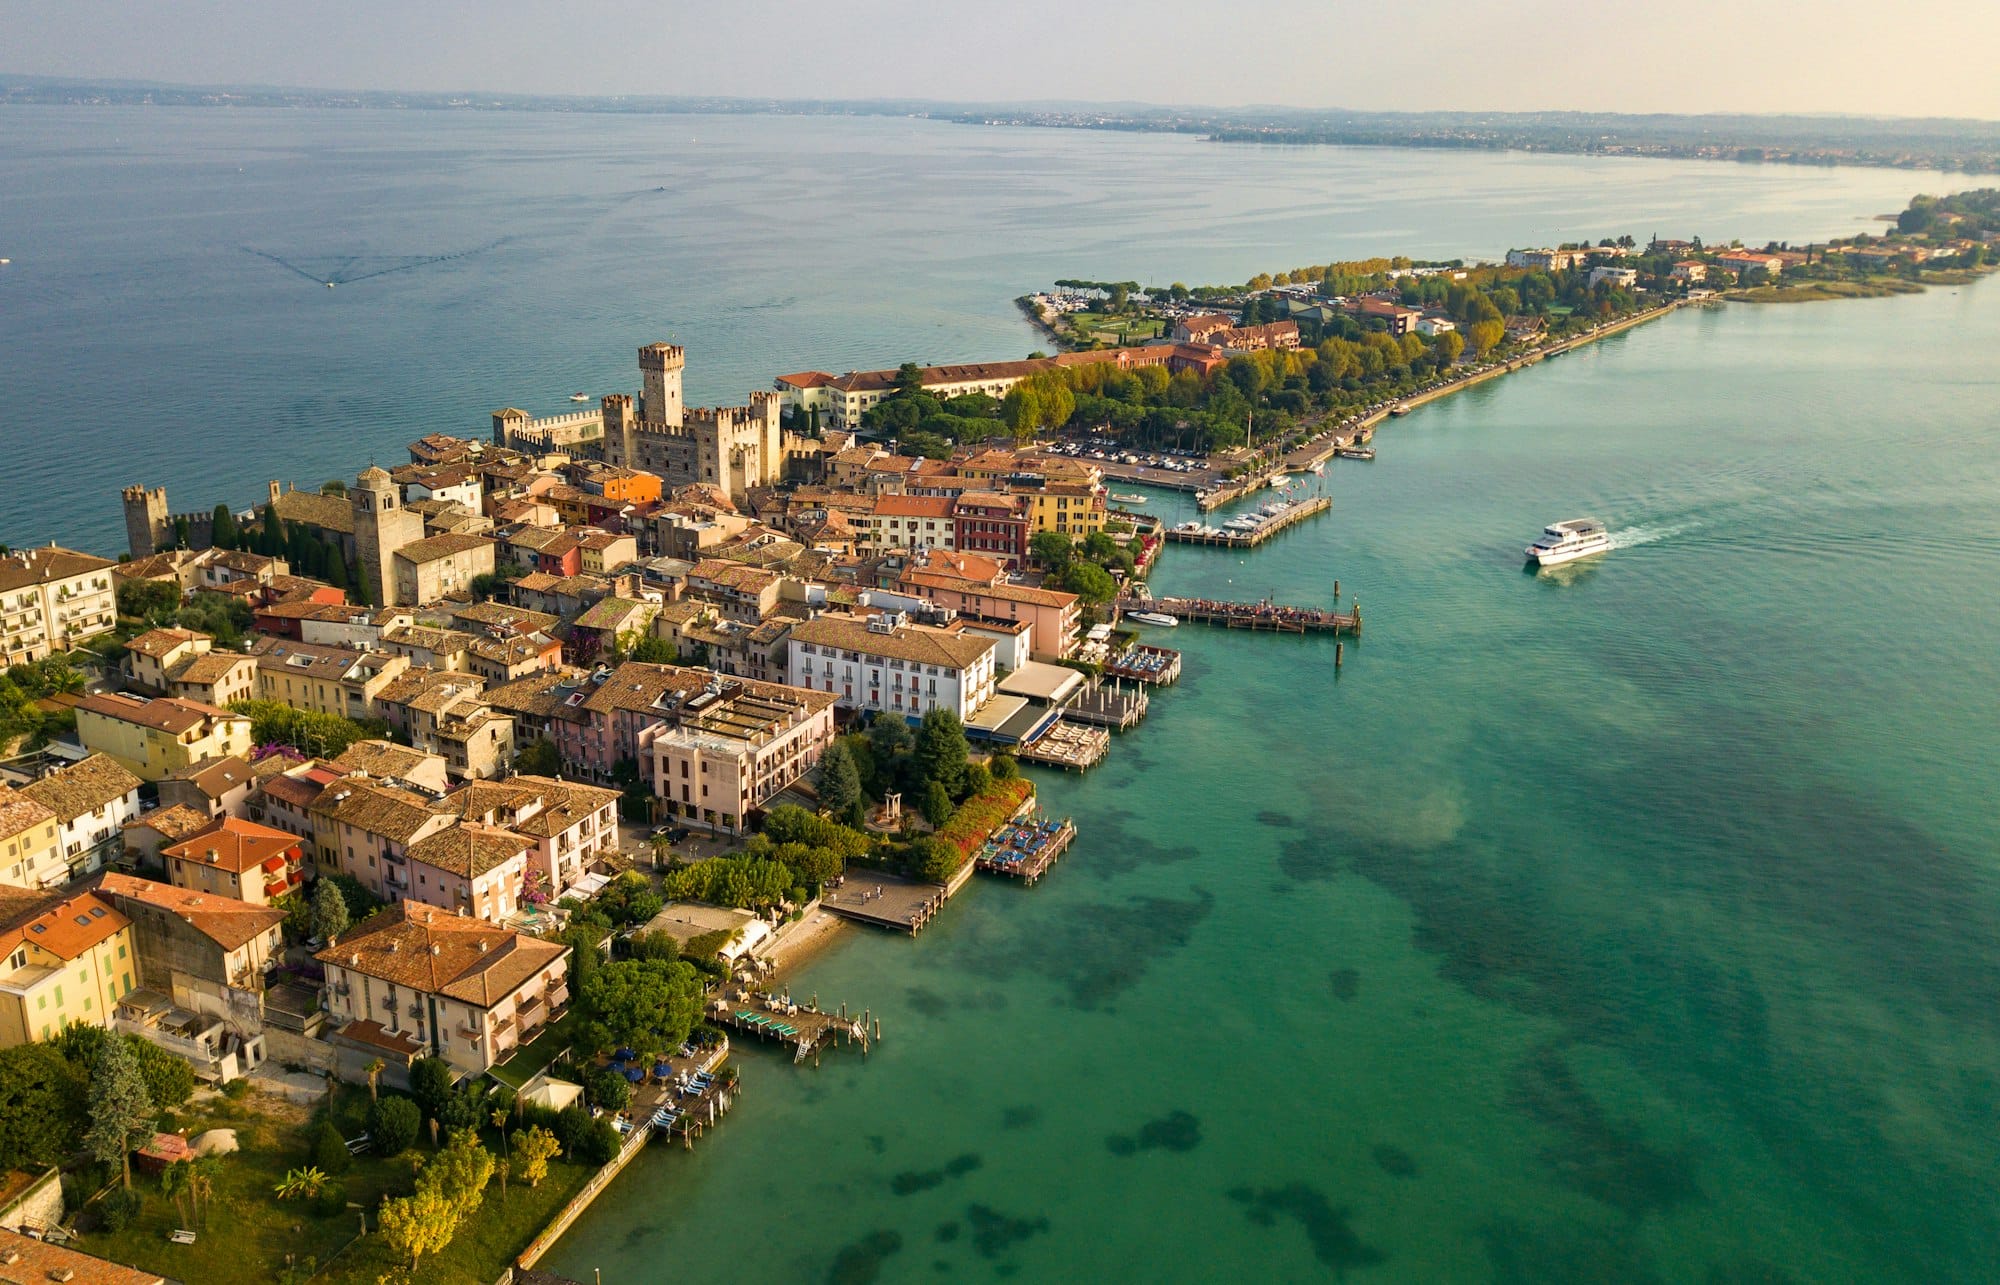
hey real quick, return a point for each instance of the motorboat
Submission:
(579, 397)
(1128, 499)
(1158, 618)
(1568, 540)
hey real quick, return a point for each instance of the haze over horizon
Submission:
(1705, 56)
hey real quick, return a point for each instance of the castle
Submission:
(149, 526)
(734, 447)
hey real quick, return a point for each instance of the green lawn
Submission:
(542, 1050)
(247, 1233)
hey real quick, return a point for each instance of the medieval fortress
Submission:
(731, 447)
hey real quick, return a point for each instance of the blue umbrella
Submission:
(623, 1055)
(634, 1074)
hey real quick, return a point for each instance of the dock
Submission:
(801, 1027)
(1145, 663)
(1222, 538)
(1067, 745)
(891, 900)
(1114, 707)
(1025, 850)
(1266, 616)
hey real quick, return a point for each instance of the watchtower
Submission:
(149, 528)
(660, 369)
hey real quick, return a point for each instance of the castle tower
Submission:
(149, 528)
(381, 526)
(621, 430)
(505, 422)
(660, 367)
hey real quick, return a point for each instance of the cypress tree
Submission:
(222, 528)
(336, 569)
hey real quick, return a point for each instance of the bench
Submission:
(355, 1146)
(182, 1237)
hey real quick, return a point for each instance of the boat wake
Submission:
(1633, 537)
(352, 268)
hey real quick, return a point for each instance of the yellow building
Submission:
(1069, 508)
(30, 844)
(67, 961)
(156, 738)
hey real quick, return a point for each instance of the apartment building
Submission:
(885, 664)
(243, 860)
(51, 599)
(62, 961)
(724, 752)
(155, 738)
(92, 801)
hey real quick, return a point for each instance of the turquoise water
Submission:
(1631, 922)
(490, 260)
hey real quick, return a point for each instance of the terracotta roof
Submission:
(535, 695)
(428, 639)
(67, 928)
(82, 788)
(208, 669)
(216, 777)
(163, 714)
(173, 822)
(301, 791)
(158, 566)
(469, 850)
(45, 565)
(327, 512)
(227, 922)
(807, 379)
(232, 844)
(1002, 592)
(442, 546)
(440, 953)
(29, 1259)
(20, 811)
(378, 809)
(909, 643)
(913, 506)
(381, 759)
(156, 643)
(430, 690)
(498, 615)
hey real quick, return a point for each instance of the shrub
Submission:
(332, 1198)
(330, 1149)
(393, 1123)
(236, 1089)
(608, 1089)
(982, 814)
(119, 1209)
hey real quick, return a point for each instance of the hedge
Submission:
(979, 816)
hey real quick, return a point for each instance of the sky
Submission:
(1863, 57)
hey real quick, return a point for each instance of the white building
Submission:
(92, 801)
(884, 664)
(1619, 278)
(1429, 325)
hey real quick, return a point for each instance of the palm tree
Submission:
(500, 1122)
(174, 1184)
(298, 1183)
(375, 1070)
(661, 846)
(202, 1172)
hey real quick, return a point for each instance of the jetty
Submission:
(1268, 525)
(1266, 616)
(1067, 745)
(1026, 849)
(801, 1027)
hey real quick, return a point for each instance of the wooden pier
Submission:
(1025, 851)
(1265, 529)
(802, 1027)
(1145, 663)
(1266, 616)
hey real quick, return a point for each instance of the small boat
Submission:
(1279, 479)
(1355, 452)
(579, 397)
(1319, 469)
(1399, 410)
(1241, 524)
(1159, 618)
(1190, 528)
(1128, 499)
(1569, 540)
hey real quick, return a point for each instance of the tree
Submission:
(459, 1172)
(180, 539)
(336, 569)
(942, 749)
(393, 1123)
(1090, 582)
(417, 1224)
(174, 1180)
(1004, 767)
(539, 758)
(222, 527)
(430, 1084)
(202, 1173)
(936, 803)
(655, 651)
(840, 783)
(121, 1111)
(644, 1004)
(330, 1149)
(329, 912)
(932, 859)
(1050, 548)
(299, 1184)
(42, 1096)
(538, 1147)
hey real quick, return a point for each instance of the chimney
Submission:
(436, 949)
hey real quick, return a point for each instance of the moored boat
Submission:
(1158, 618)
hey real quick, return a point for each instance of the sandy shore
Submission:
(803, 940)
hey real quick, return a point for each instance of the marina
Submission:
(803, 1028)
(1250, 530)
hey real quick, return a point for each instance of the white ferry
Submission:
(1160, 618)
(1569, 540)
